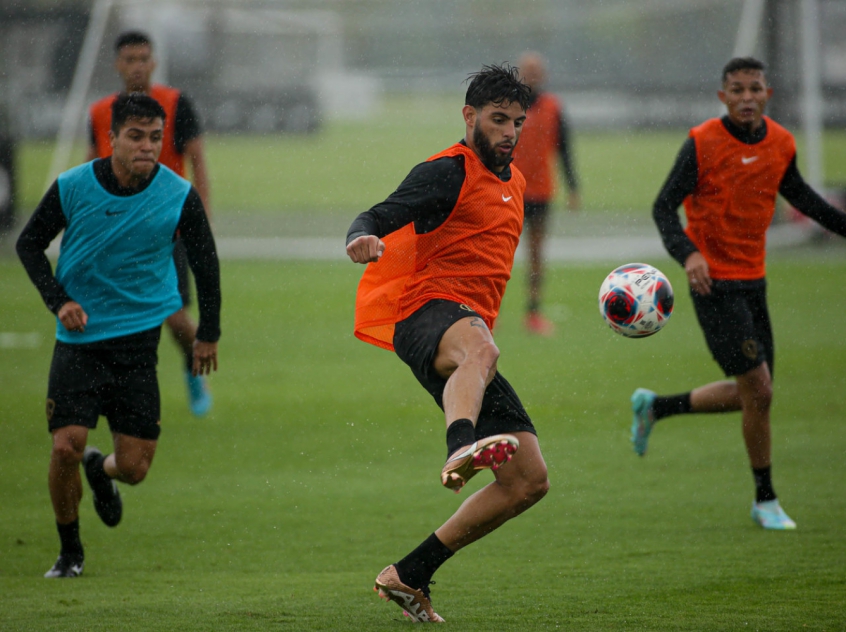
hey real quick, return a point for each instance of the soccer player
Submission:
(182, 140)
(727, 174)
(114, 285)
(544, 136)
(439, 252)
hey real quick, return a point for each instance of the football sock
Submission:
(460, 433)
(534, 306)
(670, 405)
(763, 484)
(69, 536)
(189, 362)
(96, 473)
(416, 568)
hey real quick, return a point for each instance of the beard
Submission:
(487, 154)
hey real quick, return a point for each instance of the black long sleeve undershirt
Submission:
(49, 220)
(567, 163)
(684, 176)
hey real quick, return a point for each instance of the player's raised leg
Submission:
(466, 358)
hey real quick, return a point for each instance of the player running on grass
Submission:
(114, 285)
(182, 142)
(440, 251)
(545, 135)
(728, 174)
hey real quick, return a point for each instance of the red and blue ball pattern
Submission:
(636, 300)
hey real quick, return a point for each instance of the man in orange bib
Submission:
(182, 140)
(439, 252)
(728, 174)
(545, 135)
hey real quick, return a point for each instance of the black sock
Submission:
(534, 306)
(189, 361)
(763, 484)
(96, 473)
(416, 568)
(69, 536)
(665, 406)
(460, 433)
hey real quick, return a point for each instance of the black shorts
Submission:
(115, 378)
(535, 212)
(183, 274)
(736, 324)
(416, 341)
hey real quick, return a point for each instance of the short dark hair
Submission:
(135, 105)
(132, 38)
(742, 63)
(498, 85)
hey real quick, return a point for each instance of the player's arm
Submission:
(188, 136)
(567, 164)
(425, 198)
(46, 222)
(679, 184)
(199, 243)
(799, 193)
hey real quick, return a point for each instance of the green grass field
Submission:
(349, 166)
(319, 465)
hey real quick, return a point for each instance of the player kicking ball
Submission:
(439, 251)
(114, 285)
(728, 174)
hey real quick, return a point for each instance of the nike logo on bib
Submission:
(505, 199)
(749, 160)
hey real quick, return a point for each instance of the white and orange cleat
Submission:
(414, 603)
(488, 453)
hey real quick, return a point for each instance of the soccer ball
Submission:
(636, 300)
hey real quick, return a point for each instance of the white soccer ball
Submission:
(636, 300)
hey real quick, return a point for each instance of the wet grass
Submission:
(319, 465)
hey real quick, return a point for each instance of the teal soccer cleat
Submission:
(642, 400)
(770, 515)
(199, 397)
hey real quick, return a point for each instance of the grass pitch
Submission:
(319, 465)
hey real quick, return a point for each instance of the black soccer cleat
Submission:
(66, 566)
(107, 502)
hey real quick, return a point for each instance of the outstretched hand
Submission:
(205, 358)
(365, 249)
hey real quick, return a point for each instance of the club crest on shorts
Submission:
(750, 349)
(51, 408)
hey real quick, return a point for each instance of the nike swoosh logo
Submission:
(466, 453)
(505, 199)
(749, 160)
(110, 213)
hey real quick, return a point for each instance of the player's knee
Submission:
(67, 453)
(758, 391)
(538, 488)
(531, 488)
(134, 473)
(487, 354)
